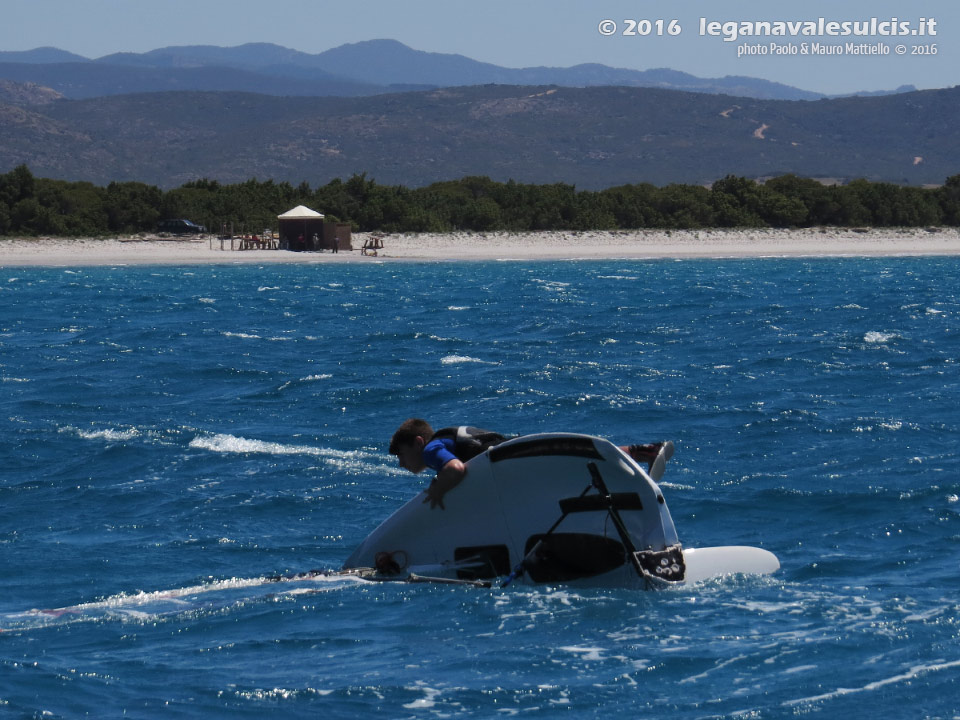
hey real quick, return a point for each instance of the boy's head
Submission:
(408, 442)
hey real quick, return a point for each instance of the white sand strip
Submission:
(816, 242)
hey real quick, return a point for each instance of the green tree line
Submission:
(31, 206)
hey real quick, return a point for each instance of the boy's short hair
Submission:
(408, 432)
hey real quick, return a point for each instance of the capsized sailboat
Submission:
(546, 509)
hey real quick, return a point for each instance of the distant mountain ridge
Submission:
(41, 56)
(364, 68)
(81, 81)
(539, 135)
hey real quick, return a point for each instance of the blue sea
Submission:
(173, 437)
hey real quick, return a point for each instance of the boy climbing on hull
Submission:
(446, 451)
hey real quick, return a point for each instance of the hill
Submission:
(363, 68)
(91, 79)
(591, 137)
(41, 56)
(26, 93)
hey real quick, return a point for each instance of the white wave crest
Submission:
(458, 359)
(879, 337)
(109, 434)
(232, 444)
(146, 605)
(355, 460)
(909, 675)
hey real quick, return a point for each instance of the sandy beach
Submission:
(461, 246)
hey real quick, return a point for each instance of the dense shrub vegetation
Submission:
(38, 206)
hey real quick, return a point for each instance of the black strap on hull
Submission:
(625, 538)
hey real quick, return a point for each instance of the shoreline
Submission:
(520, 246)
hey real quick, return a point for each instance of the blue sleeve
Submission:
(438, 453)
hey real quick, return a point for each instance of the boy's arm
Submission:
(448, 478)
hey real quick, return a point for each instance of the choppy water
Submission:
(171, 437)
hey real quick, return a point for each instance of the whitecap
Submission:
(586, 653)
(907, 676)
(308, 378)
(879, 337)
(208, 301)
(458, 359)
(428, 701)
(354, 460)
(246, 336)
(109, 434)
(676, 486)
(232, 444)
(265, 288)
(145, 605)
(456, 308)
(425, 702)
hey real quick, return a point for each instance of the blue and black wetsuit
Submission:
(460, 443)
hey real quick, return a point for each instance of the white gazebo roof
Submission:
(300, 212)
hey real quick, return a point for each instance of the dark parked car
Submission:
(180, 227)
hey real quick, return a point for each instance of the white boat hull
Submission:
(513, 496)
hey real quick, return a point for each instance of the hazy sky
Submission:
(521, 33)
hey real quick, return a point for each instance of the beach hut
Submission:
(298, 226)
